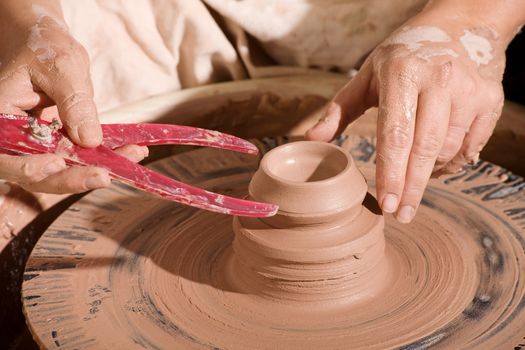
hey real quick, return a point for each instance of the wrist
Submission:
(16, 15)
(28, 11)
(20, 18)
(499, 21)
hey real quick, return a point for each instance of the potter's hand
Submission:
(437, 82)
(41, 65)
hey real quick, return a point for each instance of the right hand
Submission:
(438, 105)
(42, 65)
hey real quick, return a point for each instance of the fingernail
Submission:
(89, 134)
(405, 214)
(390, 203)
(96, 181)
(54, 167)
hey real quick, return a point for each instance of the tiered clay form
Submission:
(326, 243)
(124, 270)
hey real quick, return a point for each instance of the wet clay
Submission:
(120, 269)
(323, 245)
(42, 48)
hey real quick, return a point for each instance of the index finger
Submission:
(395, 134)
(349, 103)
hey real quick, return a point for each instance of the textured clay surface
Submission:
(120, 269)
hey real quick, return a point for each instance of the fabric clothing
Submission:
(146, 47)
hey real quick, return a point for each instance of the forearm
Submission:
(18, 16)
(25, 11)
(502, 18)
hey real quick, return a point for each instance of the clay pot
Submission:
(313, 182)
(326, 241)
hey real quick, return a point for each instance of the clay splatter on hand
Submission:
(478, 47)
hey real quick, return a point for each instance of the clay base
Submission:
(121, 270)
(197, 292)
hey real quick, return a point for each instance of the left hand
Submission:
(45, 72)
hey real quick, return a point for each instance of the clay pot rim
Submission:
(266, 168)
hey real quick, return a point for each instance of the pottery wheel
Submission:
(124, 270)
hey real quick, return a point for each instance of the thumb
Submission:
(78, 113)
(349, 103)
(68, 84)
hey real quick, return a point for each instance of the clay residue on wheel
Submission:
(251, 114)
(135, 271)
